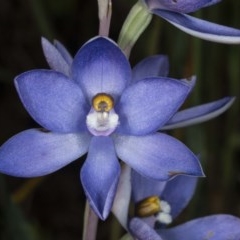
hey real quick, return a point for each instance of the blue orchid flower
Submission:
(159, 202)
(176, 13)
(91, 104)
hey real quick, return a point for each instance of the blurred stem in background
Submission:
(13, 225)
(44, 24)
(231, 154)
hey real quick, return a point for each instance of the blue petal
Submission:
(157, 156)
(54, 101)
(145, 187)
(147, 105)
(212, 2)
(154, 66)
(200, 28)
(100, 174)
(141, 231)
(35, 152)
(64, 52)
(54, 58)
(181, 6)
(178, 192)
(199, 113)
(100, 66)
(215, 227)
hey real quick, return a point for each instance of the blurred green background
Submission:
(52, 207)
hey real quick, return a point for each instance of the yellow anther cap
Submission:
(102, 102)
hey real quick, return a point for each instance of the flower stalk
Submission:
(90, 223)
(104, 14)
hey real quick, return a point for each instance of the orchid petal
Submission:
(178, 192)
(64, 52)
(101, 67)
(199, 114)
(154, 66)
(54, 101)
(35, 152)
(145, 187)
(181, 6)
(140, 230)
(54, 58)
(100, 174)
(215, 227)
(157, 156)
(148, 104)
(201, 28)
(212, 2)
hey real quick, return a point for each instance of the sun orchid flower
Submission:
(157, 203)
(176, 13)
(92, 104)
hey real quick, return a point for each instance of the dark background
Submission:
(52, 207)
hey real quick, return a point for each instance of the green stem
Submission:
(136, 22)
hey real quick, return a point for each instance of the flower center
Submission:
(153, 206)
(102, 119)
